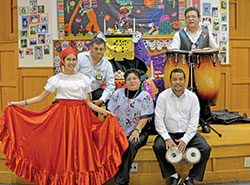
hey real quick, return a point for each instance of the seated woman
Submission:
(132, 107)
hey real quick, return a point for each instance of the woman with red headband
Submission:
(65, 143)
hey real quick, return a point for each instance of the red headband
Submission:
(66, 52)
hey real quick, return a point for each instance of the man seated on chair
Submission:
(176, 121)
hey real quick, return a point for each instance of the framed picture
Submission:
(33, 41)
(23, 43)
(41, 38)
(33, 7)
(25, 22)
(46, 50)
(38, 52)
(34, 19)
(33, 30)
(24, 10)
(42, 28)
(44, 18)
(23, 34)
(40, 8)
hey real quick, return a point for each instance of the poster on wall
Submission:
(214, 15)
(150, 17)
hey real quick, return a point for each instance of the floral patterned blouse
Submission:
(130, 111)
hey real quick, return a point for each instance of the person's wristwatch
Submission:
(138, 130)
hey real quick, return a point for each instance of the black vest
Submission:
(202, 41)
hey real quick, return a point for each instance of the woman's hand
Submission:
(15, 103)
(105, 112)
(134, 135)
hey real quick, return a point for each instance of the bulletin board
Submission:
(150, 17)
(35, 38)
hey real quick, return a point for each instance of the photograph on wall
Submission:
(25, 22)
(206, 9)
(24, 10)
(21, 53)
(223, 5)
(44, 18)
(42, 28)
(223, 46)
(29, 51)
(41, 38)
(34, 19)
(40, 8)
(224, 27)
(216, 25)
(196, 4)
(215, 12)
(146, 16)
(46, 50)
(32, 41)
(223, 17)
(38, 52)
(33, 30)
(206, 20)
(33, 7)
(24, 43)
(23, 34)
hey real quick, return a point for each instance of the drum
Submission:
(207, 75)
(174, 155)
(176, 59)
(192, 155)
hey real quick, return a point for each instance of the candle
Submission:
(104, 26)
(152, 69)
(134, 24)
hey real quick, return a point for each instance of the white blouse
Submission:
(75, 86)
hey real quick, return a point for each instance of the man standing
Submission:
(192, 38)
(93, 64)
(176, 120)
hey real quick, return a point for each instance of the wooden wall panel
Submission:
(8, 73)
(8, 18)
(31, 83)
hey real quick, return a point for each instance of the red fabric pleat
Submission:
(65, 143)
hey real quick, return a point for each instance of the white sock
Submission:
(175, 175)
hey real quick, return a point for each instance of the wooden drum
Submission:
(176, 59)
(207, 75)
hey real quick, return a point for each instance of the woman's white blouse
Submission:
(75, 86)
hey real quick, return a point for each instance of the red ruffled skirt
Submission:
(65, 144)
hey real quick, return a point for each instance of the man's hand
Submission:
(181, 146)
(97, 102)
(170, 144)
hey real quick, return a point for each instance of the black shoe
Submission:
(188, 182)
(205, 129)
(174, 181)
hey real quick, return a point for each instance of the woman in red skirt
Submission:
(64, 144)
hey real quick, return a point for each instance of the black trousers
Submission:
(96, 94)
(122, 176)
(168, 169)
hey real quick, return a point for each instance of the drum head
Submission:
(174, 155)
(192, 155)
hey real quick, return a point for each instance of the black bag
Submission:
(225, 117)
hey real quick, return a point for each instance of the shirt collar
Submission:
(182, 96)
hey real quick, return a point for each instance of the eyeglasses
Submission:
(191, 16)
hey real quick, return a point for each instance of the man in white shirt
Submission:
(94, 65)
(176, 121)
(192, 38)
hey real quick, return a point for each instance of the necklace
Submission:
(129, 102)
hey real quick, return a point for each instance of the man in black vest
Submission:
(195, 37)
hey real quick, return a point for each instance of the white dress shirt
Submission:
(176, 43)
(177, 114)
(86, 66)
